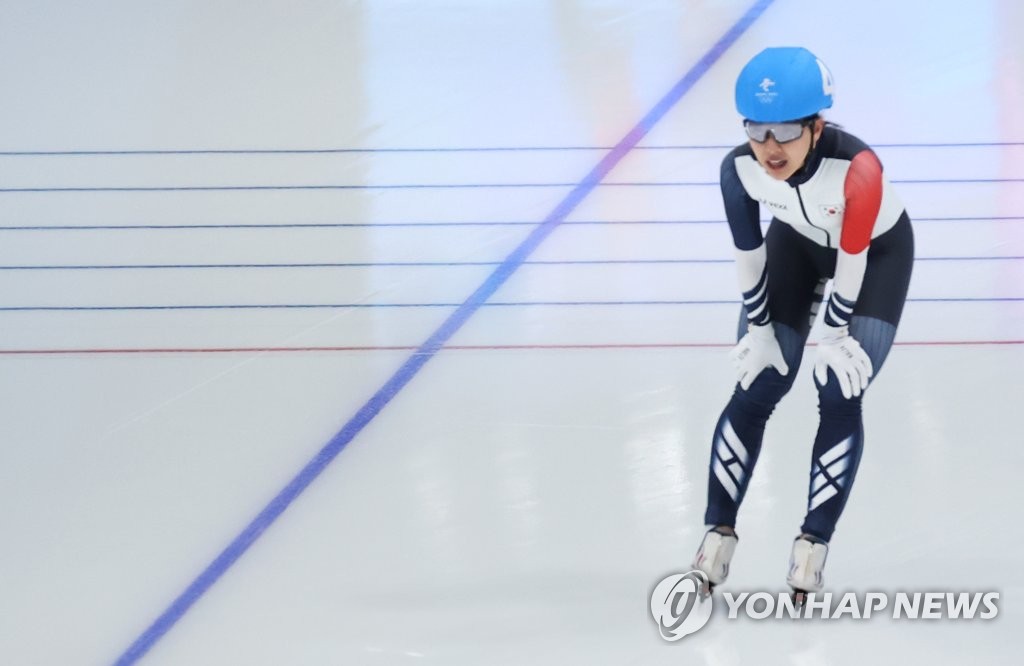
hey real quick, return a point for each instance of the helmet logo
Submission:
(767, 96)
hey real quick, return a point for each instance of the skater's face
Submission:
(782, 160)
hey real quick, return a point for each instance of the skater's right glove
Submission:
(839, 352)
(757, 350)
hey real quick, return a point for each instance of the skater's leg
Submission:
(836, 455)
(840, 439)
(739, 432)
(793, 283)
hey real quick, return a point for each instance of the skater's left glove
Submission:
(841, 353)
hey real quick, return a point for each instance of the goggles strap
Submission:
(810, 151)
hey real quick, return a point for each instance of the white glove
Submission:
(757, 350)
(847, 359)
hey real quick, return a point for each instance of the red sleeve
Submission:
(863, 191)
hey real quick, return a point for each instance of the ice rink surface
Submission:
(240, 239)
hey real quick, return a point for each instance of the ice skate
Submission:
(806, 567)
(714, 555)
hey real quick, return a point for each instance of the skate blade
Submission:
(799, 598)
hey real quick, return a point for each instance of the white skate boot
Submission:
(714, 555)
(806, 566)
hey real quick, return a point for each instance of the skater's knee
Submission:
(771, 385)
(832, 402)
(764, 393)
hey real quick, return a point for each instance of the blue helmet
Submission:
(783, 84)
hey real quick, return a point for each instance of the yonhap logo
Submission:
(829, 606)
(679, 606)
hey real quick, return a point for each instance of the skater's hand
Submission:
(842, 354)
(757, 350)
